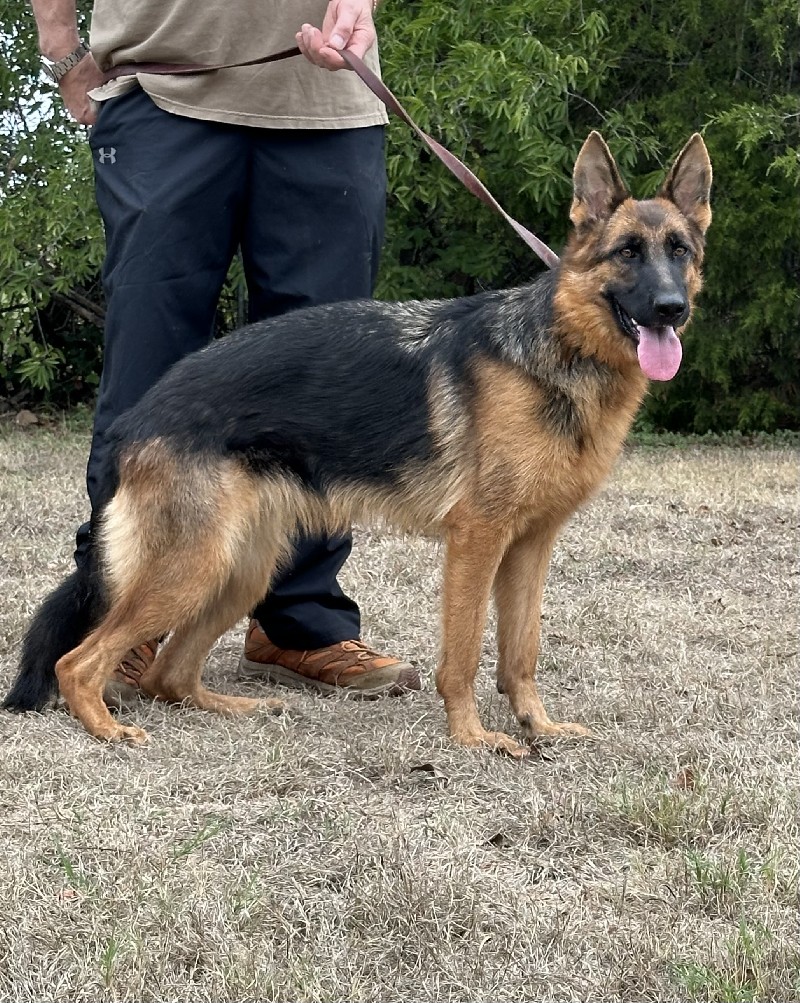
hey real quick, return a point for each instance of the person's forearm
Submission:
(57, 21)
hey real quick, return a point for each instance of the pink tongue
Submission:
(659, 352)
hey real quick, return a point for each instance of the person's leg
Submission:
(169, 190)
(313, 235)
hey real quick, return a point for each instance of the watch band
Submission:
(56, 69)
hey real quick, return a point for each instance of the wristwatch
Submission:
(56, 69)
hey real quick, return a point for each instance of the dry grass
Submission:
(348, 852)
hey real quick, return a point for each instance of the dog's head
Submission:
(636, 265)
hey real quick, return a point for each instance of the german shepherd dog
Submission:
(486, 420)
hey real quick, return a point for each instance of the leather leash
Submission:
(377, 86)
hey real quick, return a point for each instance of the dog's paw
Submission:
(495, 741)
(553, 729)
(272, 705)
(123, 733)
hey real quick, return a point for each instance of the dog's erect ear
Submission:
(688, 183)
(596, 185)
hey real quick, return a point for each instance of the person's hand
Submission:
(347, 25)
(74, 87)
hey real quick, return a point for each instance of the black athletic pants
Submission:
(178, 196)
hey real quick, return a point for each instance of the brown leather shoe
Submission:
(349, 667)
(127, 678)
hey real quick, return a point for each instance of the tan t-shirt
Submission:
(290, 94)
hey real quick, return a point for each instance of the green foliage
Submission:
(731, 71)
(512, 87)
(51, 239)
(51, 243)
(496, 83)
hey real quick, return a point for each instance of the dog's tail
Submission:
(63, 620)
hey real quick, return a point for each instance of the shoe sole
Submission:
(118, 693)
(401, 679)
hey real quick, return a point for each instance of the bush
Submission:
(512, 87)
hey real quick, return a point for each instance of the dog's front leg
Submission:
(473, 552)
(518, 592)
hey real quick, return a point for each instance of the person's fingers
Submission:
(339, 34)
(362, 39)
(74, 89)
(88, 114)
(314, 48)
(348, 26)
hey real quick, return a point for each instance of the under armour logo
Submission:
(108, 154)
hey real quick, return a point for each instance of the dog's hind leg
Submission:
(153, 600)
(473, 553)
(83, 672)
(176, 674)
(518, 592)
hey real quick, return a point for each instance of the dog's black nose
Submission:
(670, 308)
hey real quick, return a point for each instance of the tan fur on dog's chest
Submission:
(527, 465)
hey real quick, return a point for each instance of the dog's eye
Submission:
(629, 252)
(679, 251)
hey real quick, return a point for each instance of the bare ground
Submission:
(348, 852)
